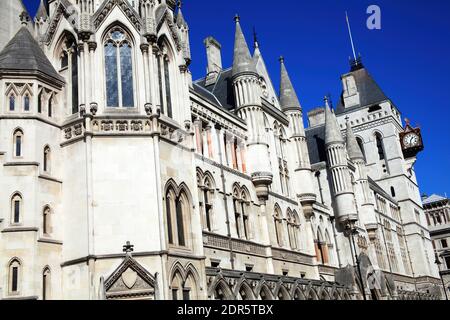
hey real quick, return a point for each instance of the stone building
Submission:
(437, 211)
(123, 178)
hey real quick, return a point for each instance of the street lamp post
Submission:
(351, 228)
(439, 264)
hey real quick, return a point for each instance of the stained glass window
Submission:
(119, 70)
(126, 69)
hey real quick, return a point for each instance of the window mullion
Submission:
(119, 76)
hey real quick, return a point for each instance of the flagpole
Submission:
(351, 37)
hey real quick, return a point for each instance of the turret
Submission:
(367, 212)
(41, 20)
(184, 31)
(344, 198)
(290, 105)
(247, 91)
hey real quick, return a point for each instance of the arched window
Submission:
(40, 100)
(167, 87)
(50, 107)
(164, 78)
(18, 142)
(47, 158)
(12, 102)
(16, 209)
(26, 103)
(380, 146)
(119, 69)
(177, 287)
(208, 193)
(361, 146)
(14, 278)
(393, 194)
(278, 223)
(46, 221)
(170, 196)
(64, 60)
(245, 215)
(69, 68)
(180, 221)
(293, 230)
(190, 288)
(241, 206)
(46, 284)
(177, 216)
(237, 216)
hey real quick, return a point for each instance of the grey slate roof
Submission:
(288, 96)
(221, 92)
(23, 55)
(315, 138)
(370, 92)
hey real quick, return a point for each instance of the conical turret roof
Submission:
(242, 61)
(353, 149)
(288, 96)
(332, 131)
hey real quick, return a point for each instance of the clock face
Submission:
(411, 140)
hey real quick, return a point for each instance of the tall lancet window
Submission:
(68, 58)
(12, 103)
(380, 147)
(167, 84)
(165, 80)
(119, 69)
(26, 103)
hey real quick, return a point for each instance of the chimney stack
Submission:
(214, 55)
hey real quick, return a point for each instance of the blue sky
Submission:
(409, 57)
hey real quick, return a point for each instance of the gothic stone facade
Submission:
(437, 211)
(223, 194)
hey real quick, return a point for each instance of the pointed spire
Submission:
(255, 39)
(181, 22)
(42, 12)
(288, 96)
(332, 131)
(353, 149)
(242, 61)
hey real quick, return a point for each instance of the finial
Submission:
(327, 102)
(179, 4)
(24, 18)
(237, 18)
(407, 121)
(128, 248)
(281, 59)
(255, 38)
